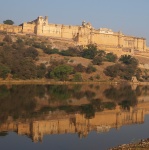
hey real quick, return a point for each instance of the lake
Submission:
(72, 117)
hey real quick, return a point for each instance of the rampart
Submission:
(82, 34)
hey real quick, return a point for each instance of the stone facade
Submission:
(82, 34)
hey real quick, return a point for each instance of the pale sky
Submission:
(128, 16)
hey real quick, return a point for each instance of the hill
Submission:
(30, 57)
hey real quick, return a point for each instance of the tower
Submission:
(42, 23)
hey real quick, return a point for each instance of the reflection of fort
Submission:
(77, 123)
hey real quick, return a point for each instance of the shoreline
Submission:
(69, 82)
(141, 145)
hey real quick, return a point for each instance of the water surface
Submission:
(64, 117)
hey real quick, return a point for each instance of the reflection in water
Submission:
(38, 110)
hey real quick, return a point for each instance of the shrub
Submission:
(79, 68)
(111, 57)
(77, 77)
(51, 51)
(4, 71)
(97, 76)
(90, 52)
(129, 60)
(31, 52)
(97, 60)
(41, 70)
(61, 72)
(90, 69)
(113, 70)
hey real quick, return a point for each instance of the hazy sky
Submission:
(129, 16)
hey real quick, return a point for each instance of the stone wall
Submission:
(10, 28)
(82, 34)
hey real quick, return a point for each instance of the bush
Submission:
(77, 77)
(97, 76)
(90, 69)
(97, 60)
(4, 71)
(79, 68)
(31, 52)
(41, 70)
(129, 60)
(123, 71)
(61, 72)
(90, 52)
(111, 57)
(51, 51)
(112, 71)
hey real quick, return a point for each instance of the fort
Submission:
(81, 34)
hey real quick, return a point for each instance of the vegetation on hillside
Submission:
(19, 59)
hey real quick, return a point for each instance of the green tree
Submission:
(90, 52)
(9, 22)
(61, 72)
(111, 57)
(129, 60)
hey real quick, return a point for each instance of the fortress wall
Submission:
(83, 34)
(105, 39)
(69, 32)
(135, 43)
(10, 28)
(84, 31)
(49, 30)
(83, 40)
(29, 28)
(58, 31)
(141, 45)
(129, 42)
(54, 30)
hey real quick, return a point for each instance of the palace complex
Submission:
(81, 34)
